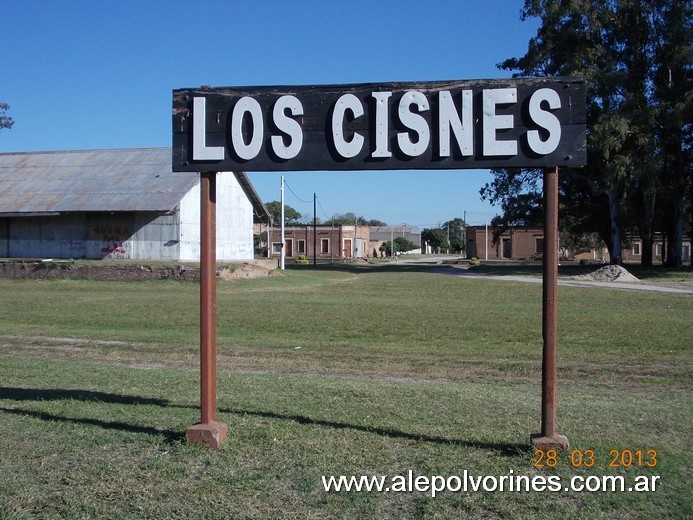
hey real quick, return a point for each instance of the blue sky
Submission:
(99, 74)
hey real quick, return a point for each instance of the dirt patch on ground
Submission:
(97, 271)
(249, 270)
(609, 273)
(68, 270)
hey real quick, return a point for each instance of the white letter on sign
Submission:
(493, 122)
(381, 113)
(202, 152)
(289, 126)
(462, 128)
(544, 119)
(346, 149)
(252, 107)
(415, 122)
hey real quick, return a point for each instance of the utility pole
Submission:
(448, 249)
(464, 234)
(315, 230)
(269, 241)
(486, 240)
(281, 256)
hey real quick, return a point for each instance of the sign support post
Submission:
(208, 432)
(548, 438)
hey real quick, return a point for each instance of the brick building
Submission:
(517, 243)
(528, 243)
(632, 250)
(333, 242)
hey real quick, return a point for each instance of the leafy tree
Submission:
(455, 230)
(573, 40)
(349, 219)
(376, 222)
(344, 219)
(636, 59)
(673, 91)
(291, 216)
(308, 220)
(260, 243)
(5, 120)
(401, 245)
(436, 238)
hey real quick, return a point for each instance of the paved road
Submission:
(569, 282)
(438, 266)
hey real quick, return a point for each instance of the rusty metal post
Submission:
(548, 438)
(208, 432)
(208, 293)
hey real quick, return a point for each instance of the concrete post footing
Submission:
(555, 441)
(210, 435)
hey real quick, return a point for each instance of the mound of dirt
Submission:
(96, 271)
(609, 273)
(246, 270)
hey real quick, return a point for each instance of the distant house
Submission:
(117, 204)
(528, 243)
(516, 243)
(380, 234)
(632, 250)
(329, 242)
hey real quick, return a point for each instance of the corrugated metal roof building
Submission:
(385, 233)
(117, 204)
(380, 234)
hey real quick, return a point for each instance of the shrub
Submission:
(56, 264)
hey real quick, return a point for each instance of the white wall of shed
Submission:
(234, 222)
(190, 225)
(155, 238)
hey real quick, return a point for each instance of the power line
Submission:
(321, 208)
(294, 193)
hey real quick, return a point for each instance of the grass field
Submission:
(335, 372)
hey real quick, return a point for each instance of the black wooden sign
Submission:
(476, 124)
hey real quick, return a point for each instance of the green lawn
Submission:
(334, 372)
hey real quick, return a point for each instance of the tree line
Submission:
(449, 237)
(293, 218)
(636, 58)
(5, 120)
